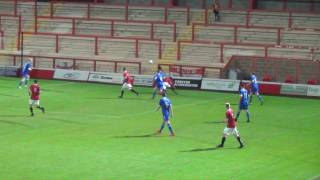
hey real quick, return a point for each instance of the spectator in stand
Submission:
(216, 8)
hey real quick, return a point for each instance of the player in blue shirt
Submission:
(158, 82)
(27, 67)
(244, 103)
(255, 88)
(166, 107)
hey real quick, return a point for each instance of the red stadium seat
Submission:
(312, 81)
(267, 78)
(289, 79)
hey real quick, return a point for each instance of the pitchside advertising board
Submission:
(71, 75)
(181, 82)
(143, 80)
(294, 89)
(9, 71)
(112, 78)
(313, 90)
(220, 84)
(188, 82)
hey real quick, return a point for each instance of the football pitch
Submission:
(87, 132)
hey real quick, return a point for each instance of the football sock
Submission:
(248, 116)
(250, 99)
(161, 128)
(122, 92)
(239, 140)
(170, 128)
(20, 83)
(154, 94)
(41, 108)
(31, 110)
(134, 92)
(238, 114)
(260, 99)
(26, 82)
(223, 140)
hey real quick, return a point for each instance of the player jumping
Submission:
(243, 104)
(34, 92)
(127, 83)
(27, 67)
(255, 88)
(158, 82)
(167, 111)
(231, 127)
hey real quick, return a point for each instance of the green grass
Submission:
(88, 133)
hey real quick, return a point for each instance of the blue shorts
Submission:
(161, 87)
(254, 89)
(165, 117)
(243, 106)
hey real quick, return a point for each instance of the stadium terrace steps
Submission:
(73, 45)
(192, 53)
(6, 7)
(9, 25)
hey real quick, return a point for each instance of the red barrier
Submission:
(41, 74)
(272, 89)
(1, 39)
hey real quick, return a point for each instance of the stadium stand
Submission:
(182, 35)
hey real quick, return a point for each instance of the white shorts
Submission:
(227, 131)
(126, 86)
(166, 84)
(34, 102)
(26, 77)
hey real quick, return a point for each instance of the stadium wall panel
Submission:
(41, 74)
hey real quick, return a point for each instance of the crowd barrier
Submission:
(227, 85)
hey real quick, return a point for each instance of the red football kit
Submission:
(127, 78)
(231, 121)
(169, 80)
(35, 91)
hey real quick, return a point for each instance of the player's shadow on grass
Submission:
(138, 136)
(117, 98)
(14, 123)
(64, 121)
(214, 122)
(53, 90)
(13, 116)
(8, 95)
(208, 149)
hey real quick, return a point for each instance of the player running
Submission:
(231, 127)
(27, 67)
(255, 88)
(167, 111)
(243, 104)
(158, 82)
(169, 82)
(34, 92)
(127, 83)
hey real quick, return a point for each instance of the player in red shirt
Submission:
(231, 127)
(127, 83)
(169, 82)
(34, 92)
